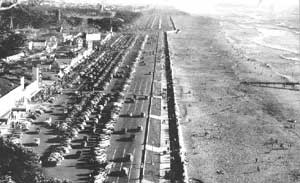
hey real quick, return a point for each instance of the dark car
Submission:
(78, 154)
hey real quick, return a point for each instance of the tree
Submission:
(8, 6)
(10, 43)
(35, 2)
(21, 165)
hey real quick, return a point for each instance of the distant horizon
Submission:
(198, 6)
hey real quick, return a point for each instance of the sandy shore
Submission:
(233, 132)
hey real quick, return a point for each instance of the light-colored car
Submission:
(124, 171)
(15, 140)
(104, 144)
(37, 141)
(48, 121)
(128, 157)
(139, 128)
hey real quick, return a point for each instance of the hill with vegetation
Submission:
(21, 165)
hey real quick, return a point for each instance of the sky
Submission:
(203, 6)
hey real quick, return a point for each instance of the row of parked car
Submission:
(89, 110)
(105, 127)
(76, 121)
(96, 112)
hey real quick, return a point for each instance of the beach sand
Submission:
(234, 132)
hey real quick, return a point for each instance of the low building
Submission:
(17, 114)
(51, 44)
(93, 37)
(96, 40)
(91, 45)
(14, 58)
(80, 42)
(63, 61)
(37, 44)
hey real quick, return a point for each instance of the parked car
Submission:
(124, 171)
(128, 157)
(15, 140)
(78, 154)
(37, 141)
(37, 130)
(84, 144)
(139, 128)
(123, 130)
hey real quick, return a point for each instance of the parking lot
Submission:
(106, 116)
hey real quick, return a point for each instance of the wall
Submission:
(9, 100)
(31, 89)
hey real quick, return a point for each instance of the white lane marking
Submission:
(142, 105)
(139, 88)
(121, 163)
(133, 154)
(135, 105)
(122, 157)
(146, 88)
(153, 22)
(116, 41)
(145, 94)
(136, 84)
(159, 26)
(155, 117)
(113, 157)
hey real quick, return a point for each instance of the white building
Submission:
(37, 44)
(93, 37)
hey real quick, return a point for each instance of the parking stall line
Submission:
(129, 174)
(133, 89)
(121, 164)
(113, 157)
(127, 109)
(140, 85)
(145, 92)
(122, 156)
(142, 105)
(142, 91)
(135, 104)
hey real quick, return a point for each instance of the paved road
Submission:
(140, 86)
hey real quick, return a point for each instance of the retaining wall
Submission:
(178, 173)
(10, 100)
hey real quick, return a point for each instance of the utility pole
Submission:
(59, 16)
(110, 21)
(11, 26)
